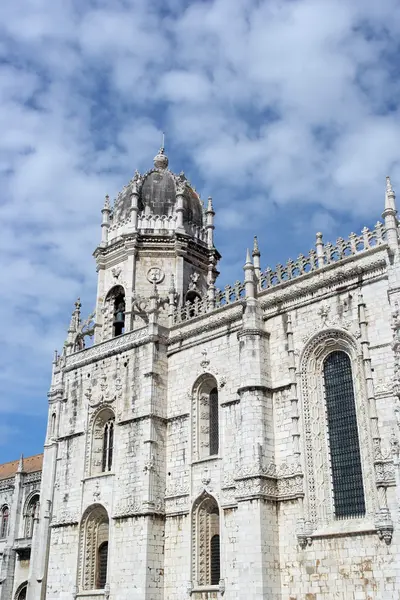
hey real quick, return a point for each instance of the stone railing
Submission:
(190, 310)
(325, 254)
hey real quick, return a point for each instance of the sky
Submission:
(286, 112)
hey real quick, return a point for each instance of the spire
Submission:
(107, 205)
(256, 257)
(210, 223)
(256, 249)
(248, 259)
(389, 216)
(249, 276)
(390, 196)
(21, 464)
(105, 223)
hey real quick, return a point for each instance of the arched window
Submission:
(345, 458)
(114, 312)
(206, 418)
(32, 507)
(4, 516)
(21, 592)
(93, 559)
(206, 537)
(102, 565)
(102, 442)
(53, 424)
(108, 444)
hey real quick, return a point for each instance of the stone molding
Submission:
(7, 484)
(106, 349)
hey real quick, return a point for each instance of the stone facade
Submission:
(19, 515)
(192, 450)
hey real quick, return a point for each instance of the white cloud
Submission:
(267, 103)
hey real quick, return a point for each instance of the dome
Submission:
(157, 195)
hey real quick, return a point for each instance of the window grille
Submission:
(108, 446)
(214, 425)
(348, 490)
(102, 565)
(215, 560)
(4, 522)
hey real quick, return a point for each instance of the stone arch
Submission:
(101, 441)
(31, 508)
(21, 592)
(319, 499)
(4, 520)
(93, 541)
(205, 417)
(114, 310)
(206, 531)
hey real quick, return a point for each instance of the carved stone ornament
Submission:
(384, 525)
(155, 275)
(116, 272)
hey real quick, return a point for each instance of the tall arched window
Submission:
(93, 559)
(30, 514)
(205, 417)
(102, 565)
(4, 516)
(206, 537)
(102, 442)
(108, 445)
(345, 458)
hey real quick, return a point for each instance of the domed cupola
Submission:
(157, 233)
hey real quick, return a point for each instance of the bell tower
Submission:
(157, 234)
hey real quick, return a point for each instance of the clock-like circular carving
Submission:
(155, 275)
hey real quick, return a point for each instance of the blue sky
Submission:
(286, 112)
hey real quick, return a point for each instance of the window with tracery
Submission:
(337, 437)
(102, 442)
(205, 418)
(345, 458)
(206, 540)
(4, 517)
(31, 509)
(102, 565)
(108, 445)
(93, 558)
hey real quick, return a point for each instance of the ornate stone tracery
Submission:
(100, 441)
(94, 535)
(205, 540)
(319, 507)
(205, 417)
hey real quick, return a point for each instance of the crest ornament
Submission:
(155, 275)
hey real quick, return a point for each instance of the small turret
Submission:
(390, 216)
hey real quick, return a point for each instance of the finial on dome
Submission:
(161, 159)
